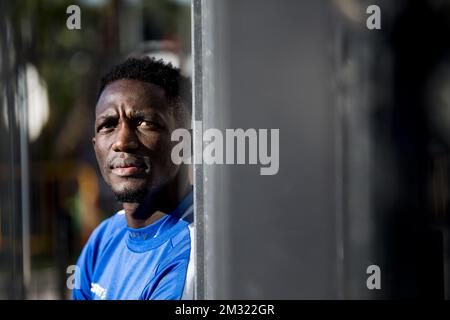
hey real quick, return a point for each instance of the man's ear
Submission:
(93, 142)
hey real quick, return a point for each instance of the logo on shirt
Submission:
(139, 236)
(98, 290)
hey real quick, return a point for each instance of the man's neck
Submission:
(156, 205)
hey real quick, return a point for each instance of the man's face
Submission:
(132, 138)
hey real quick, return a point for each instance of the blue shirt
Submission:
(119, 262)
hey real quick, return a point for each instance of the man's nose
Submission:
(126, 139)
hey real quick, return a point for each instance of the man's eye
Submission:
(106, 126)
(148, 124)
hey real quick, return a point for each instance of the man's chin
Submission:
(131, 195)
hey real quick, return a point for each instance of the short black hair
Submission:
(176, 86)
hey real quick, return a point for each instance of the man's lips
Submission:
(130, 166)
(128, 171)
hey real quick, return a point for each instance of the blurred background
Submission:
(364, 119)
(51, 193)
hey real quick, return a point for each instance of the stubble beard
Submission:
(131, 195)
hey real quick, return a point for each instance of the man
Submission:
(143, 251)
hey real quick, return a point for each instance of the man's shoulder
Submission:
(181, 239)
(180, 244)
